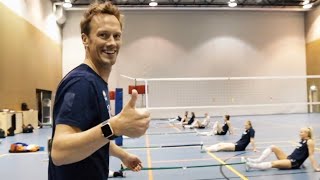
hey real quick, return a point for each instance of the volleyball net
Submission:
(169, 97)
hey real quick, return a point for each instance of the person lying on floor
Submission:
(246, 138)
(218, 129)
(295, 160)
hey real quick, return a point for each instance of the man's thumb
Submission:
(133, 100)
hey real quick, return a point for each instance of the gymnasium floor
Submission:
(281, 130)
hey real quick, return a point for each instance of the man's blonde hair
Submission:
(97, 9)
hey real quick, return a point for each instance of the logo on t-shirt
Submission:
(107, 102)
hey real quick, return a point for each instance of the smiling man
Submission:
(83, 127)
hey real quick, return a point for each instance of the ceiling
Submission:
(245, 4)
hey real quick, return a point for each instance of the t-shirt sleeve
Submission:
(252, 132)
(78, 106)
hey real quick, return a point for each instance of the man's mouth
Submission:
(109, 52)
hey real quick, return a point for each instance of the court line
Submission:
(174, 127)
(182, 160)
(225, 160)
(228, 166)
(150, 174)
(200, 159)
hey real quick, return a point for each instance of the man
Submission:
(83, 127)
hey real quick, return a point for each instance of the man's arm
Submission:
(129, 160)
(70, 145)
(116, 151)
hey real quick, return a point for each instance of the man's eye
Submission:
(103, 36)
(117, 36)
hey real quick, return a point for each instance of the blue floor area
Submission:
(280, 130)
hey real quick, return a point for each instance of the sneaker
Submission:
(203, 150)
(118, 174)
(248, 168)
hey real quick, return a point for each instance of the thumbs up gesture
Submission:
(131, 122)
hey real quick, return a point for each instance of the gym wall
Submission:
(201, 44)
(29, 58)
(312, 19)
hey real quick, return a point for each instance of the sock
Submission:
(260, 166)
(263, 156)
(213, 148)
(111, 174)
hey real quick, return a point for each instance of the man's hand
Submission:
(132, 162)
(131, 122)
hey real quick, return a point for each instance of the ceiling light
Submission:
(232, 0)
(313, 88)
(153, 4)
(67, 5)
(307, 6)
(232, 4)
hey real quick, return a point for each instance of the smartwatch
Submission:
(107, 131)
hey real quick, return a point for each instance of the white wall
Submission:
(203, 44)
(313, 25)
(38, 13)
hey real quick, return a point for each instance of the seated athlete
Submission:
(304, 150)
(200, 124)
(184, 118)
(190, 121)
(218, 129)
(246, 138)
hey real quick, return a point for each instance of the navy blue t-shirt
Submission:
(82, 101)
(301, 153)
(245, 138)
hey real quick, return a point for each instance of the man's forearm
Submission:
(116, 151)
(70, 147)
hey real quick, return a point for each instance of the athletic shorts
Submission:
(240, 147)
(221, 133)
(294, 163)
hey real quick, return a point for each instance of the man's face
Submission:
(104, 41)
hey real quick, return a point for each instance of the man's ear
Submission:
(85, 40)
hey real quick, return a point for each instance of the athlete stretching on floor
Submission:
(181, 119)
(246, 138)
(190, 121)
(200, 124)
(304, 150)
(218, 129)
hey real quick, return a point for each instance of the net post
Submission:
(147, 94)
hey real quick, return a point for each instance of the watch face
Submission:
(107, 132)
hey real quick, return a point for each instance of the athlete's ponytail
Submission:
(310, 132)
(250, 124)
